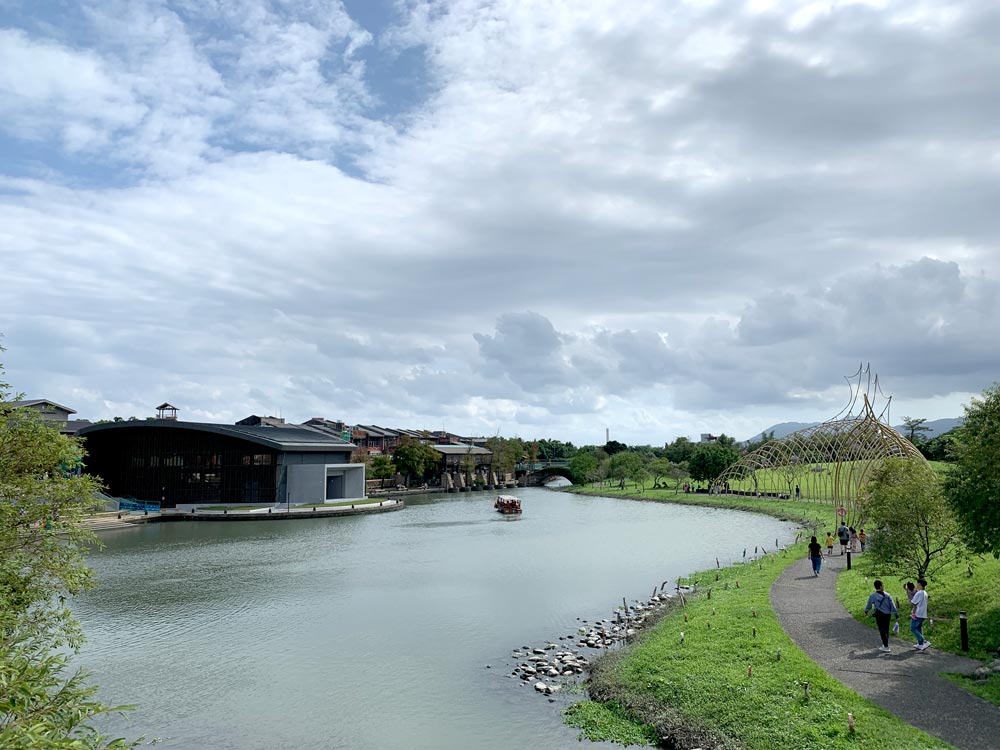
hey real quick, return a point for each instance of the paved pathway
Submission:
(904, 682)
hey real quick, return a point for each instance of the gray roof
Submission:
(290, 439)
(462, 450)
(40, 402)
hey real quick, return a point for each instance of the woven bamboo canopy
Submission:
(829, 462)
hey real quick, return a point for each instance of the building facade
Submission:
(178, 463)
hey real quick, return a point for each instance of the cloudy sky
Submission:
(542, 218)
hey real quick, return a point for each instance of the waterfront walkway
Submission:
(904, 682)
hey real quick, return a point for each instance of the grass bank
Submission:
(721, 672)
(970, 586)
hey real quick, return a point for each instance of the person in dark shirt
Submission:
(816, 555)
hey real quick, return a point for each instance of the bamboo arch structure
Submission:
(829, 462)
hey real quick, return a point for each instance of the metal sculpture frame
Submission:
(829, 462)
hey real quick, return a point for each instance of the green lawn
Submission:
(969, 585)
(725, 683)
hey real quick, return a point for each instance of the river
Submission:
(375, 632)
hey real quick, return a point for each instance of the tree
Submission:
(680, 450)
(414, 459)
(973, 484)
(623, 466)
(42, 496)
(659, 468)
(912, 529)
(382, 468)
(912, 426)
(581, 466)
(678, 472)
(709, 460)
(640, 476)
(613, 446)
(939, 447)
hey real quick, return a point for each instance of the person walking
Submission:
(854, 539)
(844, 535)
(829, 544)
(815, 555)
(919, 614)
(884, 608)
(862, 537)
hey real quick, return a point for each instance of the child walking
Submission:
(829, 543)
(919, 614)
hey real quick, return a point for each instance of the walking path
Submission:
(904, 682)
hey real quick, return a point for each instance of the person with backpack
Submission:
(884, 608)
(844, 535)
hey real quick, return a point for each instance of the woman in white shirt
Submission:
(919, 614)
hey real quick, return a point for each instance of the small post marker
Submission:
(755, 632)
(713, 611)
(716, 576)
(750, 671)
(737, 583)
(685, 617)
(709, 593)
(779, 655)
(682, 636)
(805, 686)
(709, 624)
(850, 723)
(753, 612)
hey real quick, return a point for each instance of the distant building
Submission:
(454, 457)
(194, 463)
(254, 421)
(50, 411)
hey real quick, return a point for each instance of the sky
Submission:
(534, 219)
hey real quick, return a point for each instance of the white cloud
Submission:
(711, 212)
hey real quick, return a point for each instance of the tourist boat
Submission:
(507, 504)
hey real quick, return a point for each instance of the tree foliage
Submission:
(381, 467)
(623, 466)
(582, 467)
(613, 446)
(913, 428)
(912, 531)
(42, 496)
(680, 450)
(973, 484)
(939, 447)
(709, 460)
(414, 460)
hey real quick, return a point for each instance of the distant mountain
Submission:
(935, 427)
(781, 429)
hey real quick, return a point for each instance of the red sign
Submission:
(841, 511)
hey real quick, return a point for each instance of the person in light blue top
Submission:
(884, 608)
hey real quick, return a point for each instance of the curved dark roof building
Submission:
(192, 463)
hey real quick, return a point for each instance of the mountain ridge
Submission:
(935, 427)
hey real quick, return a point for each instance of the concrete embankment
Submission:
(282, 514)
